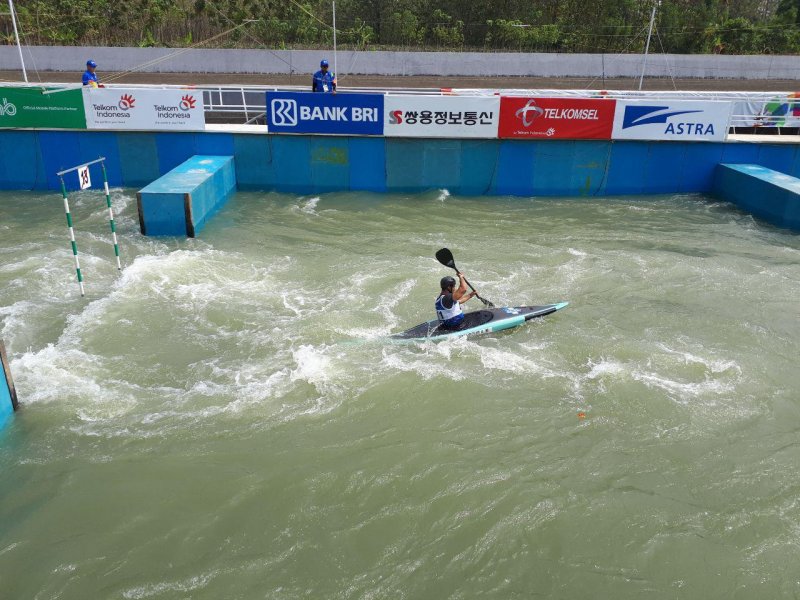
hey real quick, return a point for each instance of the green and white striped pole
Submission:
(72, 237)
(111, 216)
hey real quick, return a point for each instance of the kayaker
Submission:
(448, 304)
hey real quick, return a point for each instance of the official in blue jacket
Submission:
(89, 76)
(323, 81)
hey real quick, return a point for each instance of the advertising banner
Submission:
(778, 111)
(339, 114)
(556, 118)
(29, 107)
(687, 120)
(441, 116)
(144, 109)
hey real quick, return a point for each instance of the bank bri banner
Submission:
(338, 114)
(686, 120)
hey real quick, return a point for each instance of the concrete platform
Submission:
(767, 194)
(182, 201)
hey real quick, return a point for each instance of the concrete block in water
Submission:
(767, 194)
(8, 395)
(182, 201)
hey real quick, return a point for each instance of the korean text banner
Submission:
(342, 113)
(556, 118)
(442, 116)
(697, 121)
(144, 109)
(29, 107)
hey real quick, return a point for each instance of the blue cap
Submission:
(91, 63)
(323, 63)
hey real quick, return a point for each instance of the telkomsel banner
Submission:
(442, 116)
(339, 114)
(144, 109)
(30, 107)
(703, 121)
(556, 118)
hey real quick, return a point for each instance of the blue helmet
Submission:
(323, 63)
(91, 63)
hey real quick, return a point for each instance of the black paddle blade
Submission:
(445, 257)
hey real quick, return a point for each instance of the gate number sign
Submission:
(83, 177)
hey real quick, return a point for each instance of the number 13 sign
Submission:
(83, 177)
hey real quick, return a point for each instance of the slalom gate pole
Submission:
(72, 237)
(111, 216)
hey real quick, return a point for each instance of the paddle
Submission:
(445, 257)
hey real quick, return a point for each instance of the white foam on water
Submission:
(428, 360)
(503, 360)
(63, 371)
(682, 391)
(69, 376)
(464, 359)
(312, 366)
(15, 318)
(183, 586)
(310, 206)
(26, 264)
(398, 297)
(605, 368)
(713, 365)
(96, 200)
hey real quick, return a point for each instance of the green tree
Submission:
(446, 31)
(403, 29)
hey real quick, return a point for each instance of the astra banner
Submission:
(144, 109)
(688, 120)
(556, 118)
(441, 116)
(338, 114)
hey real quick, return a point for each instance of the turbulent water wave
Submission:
(226, 417)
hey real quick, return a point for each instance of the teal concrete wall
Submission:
(767, 194)
(8, 398)
(183, 200)
(316, 164)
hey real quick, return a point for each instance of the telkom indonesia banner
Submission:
(144, 109)
(556, 118)
(441, 116)
(309, 112)
(701, 121)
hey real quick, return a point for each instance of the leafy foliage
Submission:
(682, 26)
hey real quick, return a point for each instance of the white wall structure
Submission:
(485, 64)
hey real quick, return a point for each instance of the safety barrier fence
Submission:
(421, 112)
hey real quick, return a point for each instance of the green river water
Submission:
(224, 420)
